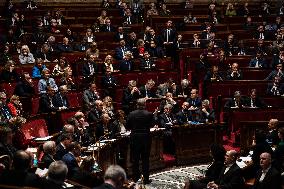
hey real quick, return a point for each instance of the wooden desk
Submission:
(193, 142)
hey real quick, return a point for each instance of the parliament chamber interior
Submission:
(206, 74)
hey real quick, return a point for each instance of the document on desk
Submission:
(242, 162)
(43, 138)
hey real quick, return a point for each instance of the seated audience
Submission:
(60, 68)
(9, 73)
(105, 128)
(205, 114)
(90, 96)
(109, 63)
(68, 80)
(279, 151)
(167, 86)
(49, 150)
(126, 64)
(276, 88)
(114, 177)
(107, 27)
(89, 36)
(46, 81)
(258, 61)
(38, 68)
(90, 67)
(5, 113)
(56, 175)
(15, 106)
(45, 54)
(277, 72)
(108, 106)
(109, 83)
(231, 174)
(254, 101)
(60, 98)
(156, 51)
(146, 63)
(184, 115)
(70, 158)
(147, 89)
(236, 102)
(217, 153)
(20, 175)
(272, 135)
(6, 146)
(26, 57)
(234, 73)
(267, 176)
(48, 102)
(214, 75)
(120, 35)
(94, 115)
(25, 87)
(169, 100)
(65, 46)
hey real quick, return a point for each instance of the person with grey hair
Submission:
(236, 102)
(183, 90)
(114, 178)
(146, 90)
(205, 114)
(139, 122)
(49, 149)
(56, 175)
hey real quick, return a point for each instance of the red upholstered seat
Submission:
(8, 88)
(35, 128)
(35, 106)
(124, 78)
(73, 100)
(145, 76)
(65, 115)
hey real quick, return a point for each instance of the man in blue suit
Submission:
(70, 158)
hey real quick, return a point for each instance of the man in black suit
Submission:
(231, 175)
(114, 177)
(146, 63)
(272, 135)
(109, 83)
(254, 101)
(19, 175)
(70, 159)
(25, 88)
(139, 122)
(95, 113)
(267, 176)
(60, 99)
(156, 51)
(90, 96)
(90, 67)
(236, 102)
(206, 114)
(276, 88)
(121, 50)
(126, 64)
(107, 27)
(183, 116)
(129, 19)
(65, 46)
(47, 102)
(146, 90)
(120, 34)
(105, 128)
(61, 148)
(130, 96)
(169, 37)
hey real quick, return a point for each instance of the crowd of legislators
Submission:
(180, 101)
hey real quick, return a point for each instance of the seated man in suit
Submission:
(109, 83)
(147, 89)
(205, 114)
(167, 86)
(258, 61)
(90, 67)
(107, 27)
(61, 148)
(194, 101)
(276, 88)
(95, 113)
(105, 128)
(126, 64)
(267, 176)
(254, 101)
(65, 46)
(184, 116)
(234, 73)
(70, 159)
(60, 99)
(20, 175)
(236, 102)
(130, 95)
(277, 72)
(56, 175)
(183, 90)
(25, 88)
(156, 51)
(121, 50)
(49, 149)
(146, 63)
(272, 135)
(47, 102)
(90, 96)
(231, 175)
(169, 100)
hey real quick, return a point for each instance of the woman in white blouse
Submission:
(26, 57)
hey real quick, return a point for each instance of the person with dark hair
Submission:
(217, 152)
(139, 122)
(19, 175)
(6, 146)
(254, 101)
(9, 73)
(70, 159)
(62, 147)
(276, 87)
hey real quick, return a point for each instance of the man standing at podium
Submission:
(139, 122)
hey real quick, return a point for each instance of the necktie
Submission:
(108, 28)
(256, 64)
(168, 35)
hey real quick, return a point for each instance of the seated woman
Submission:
(93, 50)
(89, 37)
(212, 173)
(67, 79)
(9, 73)
(15, 106)
(60, 67)
(103, 17)
(109, 63)
(108, 106)
(38, 68)
(230, 11)
(26, 57)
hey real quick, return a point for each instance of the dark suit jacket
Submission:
(156, 52)
(117, 36)
(279, 90)
(183, 117)
(60, 101)
(171, 37)
(47, 160)
(71, 162)
(194, 102)
(60, 152)
(125, 65)
(64, 48)
(113, 130)
(147, 64)
(104, 28)
(108, 81)
(232, 179)
(118, 55)
(235, 76)
(231, 103)
(140, 121)
(202, 117)
(45, 105)
(258, 102)
(105, 186)
(150, 93)
(271, 180)
(261, 63)
(20, 178)
(86, 69)
(165, 120)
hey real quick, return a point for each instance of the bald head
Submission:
(231, 157)
(265, 160)
(272, 124)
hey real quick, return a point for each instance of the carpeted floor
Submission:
(175, 177)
